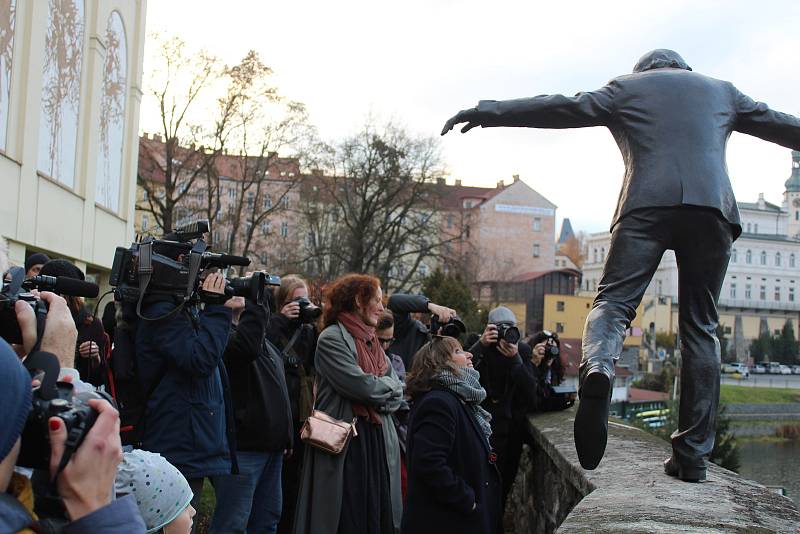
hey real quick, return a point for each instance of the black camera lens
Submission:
(508, 333)
(308, 312)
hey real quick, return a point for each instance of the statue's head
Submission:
(660, 58)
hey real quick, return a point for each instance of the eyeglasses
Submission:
(386, 340)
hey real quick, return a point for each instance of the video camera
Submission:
(169, 268)
(19, 288)
(452, 328)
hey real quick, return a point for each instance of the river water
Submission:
(772, 464)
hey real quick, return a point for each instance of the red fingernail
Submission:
(54, 424)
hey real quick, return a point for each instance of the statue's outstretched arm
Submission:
(757, 119)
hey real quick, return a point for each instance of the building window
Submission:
(251, 199)
(755, 228)
(733, 256)
(449, 221)
(232, 193)
(777, 293)
(659, 286)
(791, 294)
(284, 229)
(7, 22)
(777, 259)
(748, 257)
(748, 228)
(727, 330)
(762, 293)
(61, 90)
(747, 291)
(797, 215)
(145, 222)
(285, 201)
(112, 115)
(791, 260)
(536, 250)
(267, 202)
(559, 328)
(263, 257)
(603, 254)
(266, 228)
(733, 291)
(537, 224)
(763, 257)
(560, 305)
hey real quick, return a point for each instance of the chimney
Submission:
(441, 181)
(500, 184)
(458, 183)
(157, 138)
(272, 155)
(145, 135)
(516, 178)
(761, 202)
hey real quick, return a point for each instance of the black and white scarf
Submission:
(469, 389)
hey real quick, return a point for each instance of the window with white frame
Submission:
(763, 257)
(748, 291)
(748, 257)
(536, 250)
(537, 224)
(791, 260)
(777, 259)
(284, 229)
(733, 256)
(733, 290)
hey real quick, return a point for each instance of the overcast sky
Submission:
(420, 61)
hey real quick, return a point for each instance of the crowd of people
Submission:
(436, 428)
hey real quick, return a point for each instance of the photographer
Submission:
(263, 423)
(90, 350)
(85, 485)
(409, 333)
(179, 358)
(293, 331)
(511, 382)
(547, 359)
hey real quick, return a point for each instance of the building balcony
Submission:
(760, 304)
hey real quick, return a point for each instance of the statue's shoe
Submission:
(688, 474)
(591, 421)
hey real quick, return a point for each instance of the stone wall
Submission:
(629, 491)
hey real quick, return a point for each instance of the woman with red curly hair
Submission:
(357, 491)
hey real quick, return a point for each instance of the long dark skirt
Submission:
(366, 495)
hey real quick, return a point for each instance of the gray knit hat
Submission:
(501, 314)
(161, 491)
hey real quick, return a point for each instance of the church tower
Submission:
(791, 197)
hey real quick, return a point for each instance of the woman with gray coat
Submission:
(357, 491)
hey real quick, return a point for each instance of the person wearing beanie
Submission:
(512, 390)
(34, 263)
(162, 493)
(76, 484)
(90, 351)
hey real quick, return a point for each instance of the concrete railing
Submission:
(629, 491)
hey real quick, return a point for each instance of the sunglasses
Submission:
(386, 340)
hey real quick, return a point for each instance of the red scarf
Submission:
(371, 357)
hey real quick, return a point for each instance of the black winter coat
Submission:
(511, 384)
(450, 468)
(409, 334)
(258, 386)
(279, 332)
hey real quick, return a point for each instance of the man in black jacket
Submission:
(263, 420)
(672, 126)
(512, 386)
(409, 333)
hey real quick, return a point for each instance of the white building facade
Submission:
(70, 91)
(761, 290)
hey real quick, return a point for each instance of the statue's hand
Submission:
(470, 116)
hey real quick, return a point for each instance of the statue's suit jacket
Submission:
(671, 126)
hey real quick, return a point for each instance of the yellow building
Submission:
(70, 92)
(566, 315)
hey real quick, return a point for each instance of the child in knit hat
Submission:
(161, 491)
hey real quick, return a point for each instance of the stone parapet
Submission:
(629, 492)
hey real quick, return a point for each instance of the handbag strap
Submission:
(314, 407)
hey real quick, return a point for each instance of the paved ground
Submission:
(764, 381)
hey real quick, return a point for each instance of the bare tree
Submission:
(378, 211)
(574, 249)
(170, 166)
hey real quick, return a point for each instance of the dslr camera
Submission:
(508, 333)
(309, 313)
(551, 345)
(54, 399)
(18, 288)
(169, 268)
(452, 328)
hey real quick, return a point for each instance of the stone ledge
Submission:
(629, 491)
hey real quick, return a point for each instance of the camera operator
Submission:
(510, 379)
(409, 333)
(179, 358)
(263, 426)
(90, 350)
(85, 485)
(547, 358)
(293, 330)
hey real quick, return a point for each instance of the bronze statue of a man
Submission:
(672, 126)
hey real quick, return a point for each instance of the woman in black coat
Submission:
(453, 482)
